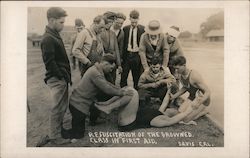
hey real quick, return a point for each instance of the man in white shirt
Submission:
(131, 59)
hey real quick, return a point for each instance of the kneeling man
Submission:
(154, 82)
(85, 95)
(199, 93)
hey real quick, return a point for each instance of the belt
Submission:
(132, 53)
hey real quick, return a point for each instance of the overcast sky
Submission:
(185, 18)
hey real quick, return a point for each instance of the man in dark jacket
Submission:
(130, 57)
(58, 74)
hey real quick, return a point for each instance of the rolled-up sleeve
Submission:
(142, 52)
(166, 52)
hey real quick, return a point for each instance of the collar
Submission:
(52, 32)
(99, 68)
(161, 73)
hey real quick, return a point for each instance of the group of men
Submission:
(155, 59)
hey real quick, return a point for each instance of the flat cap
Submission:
(109, 58)
(56, 12)
(110, 15)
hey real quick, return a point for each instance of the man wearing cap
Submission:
(88, 47)
(85, 95)
(130, 57)
(174, 44)
(110, 43)
(58, 74)
(153, 44)
(79, 26)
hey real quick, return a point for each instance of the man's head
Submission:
(153, 29)
(120, 18)
(134, 18)
(179, 63)
(56, 18)
(156, 65)
(98, 24)
(108, 63)
(79, 25)
(109, 18)
(173, 33)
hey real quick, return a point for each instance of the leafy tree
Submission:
(185, 34)
(213, 22)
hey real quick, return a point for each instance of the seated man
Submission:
(85, 95)
(199, 94)
(154, 82)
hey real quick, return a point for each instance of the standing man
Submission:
(174, 44)
(79, 26)
(85, 95)
(88, 47)
(130, 57)
(58, 74)
(153, 44)
(110, 44)
(117, 29)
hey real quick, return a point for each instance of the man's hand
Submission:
(172, 97)
(128, 92)
(195, 105)
(157, 84)
(89, 64)
(119, 69)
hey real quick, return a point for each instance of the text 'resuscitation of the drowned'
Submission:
(141, 138)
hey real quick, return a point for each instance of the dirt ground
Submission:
(204, 134)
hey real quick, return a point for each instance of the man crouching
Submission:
(154, 82)
(85, 95)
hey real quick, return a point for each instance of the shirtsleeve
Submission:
(77, 48)
(105, 86)
(142, 79)
(142, 52)
(118, 57)
(166, 52)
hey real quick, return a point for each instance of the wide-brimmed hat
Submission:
(153, 28)
(79, 23)
(174, 31)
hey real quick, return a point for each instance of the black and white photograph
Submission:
(125, 79)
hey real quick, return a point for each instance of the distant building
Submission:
(35, 39)
(215, 35)
(67, 33)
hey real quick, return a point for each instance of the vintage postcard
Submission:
(142, 79)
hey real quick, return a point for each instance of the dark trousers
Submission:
(145, 94)
(94, 112)
(78, 122)
(131, 62)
